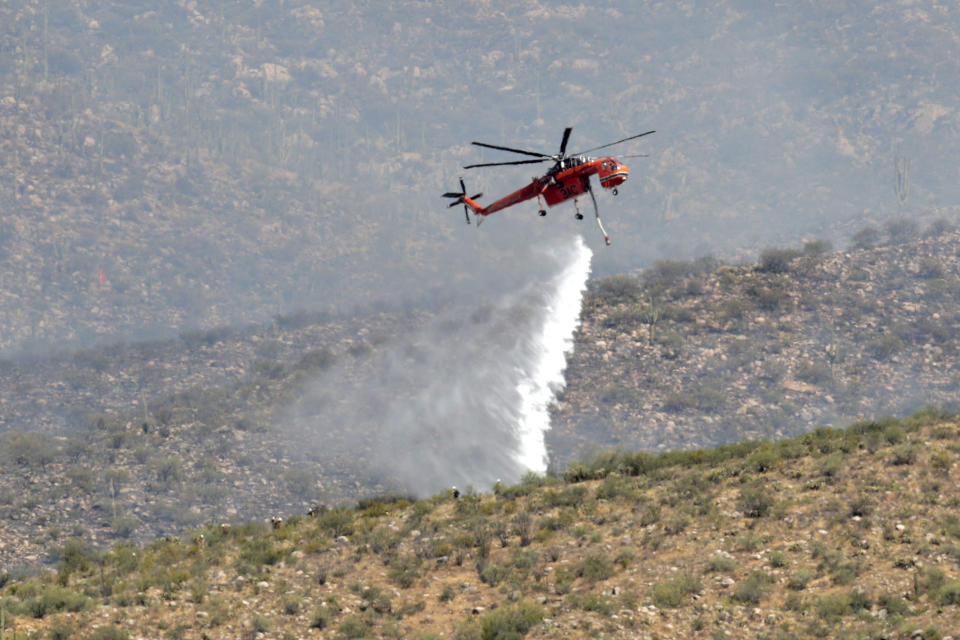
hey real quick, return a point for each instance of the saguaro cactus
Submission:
(902, 169)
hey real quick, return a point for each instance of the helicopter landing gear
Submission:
(615, 192)
(577, 215)
(542, 212)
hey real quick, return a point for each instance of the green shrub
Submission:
(773, 260)
(493, 574)
(777, 559)
(671, 593)
(720, 564)
(799, 580)
(322, 618)
(404, 570)
(816, 373)
(616, 290)
(755, 501)
(511, 621)
(591, 602)
(866, 238)
(595, 567)
(55, 599)
(261, 551)
(109, 633)
(885, 347)
(352, 628)
(815, 248)
(861, 505)
(752, 590)
(905, 454)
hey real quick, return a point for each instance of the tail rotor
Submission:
(459, 199)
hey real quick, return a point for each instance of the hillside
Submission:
(173, 166)
(138, 441)
(850, 533)
(690, 354)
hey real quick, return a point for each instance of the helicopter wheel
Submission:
(615, 192)
(578, 216)
(542, 212)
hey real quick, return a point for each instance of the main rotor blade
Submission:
(566, 138)
(451, 194)
(604, 146)
(501, 164)
(636, 155)
(526, 153)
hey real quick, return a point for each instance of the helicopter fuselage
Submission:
(569, 180)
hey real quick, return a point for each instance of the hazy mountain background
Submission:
(180, 165)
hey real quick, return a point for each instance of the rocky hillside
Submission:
(178, 165)
(688, 354)
(850, 533)
(144, 440)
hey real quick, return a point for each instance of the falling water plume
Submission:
(462, 402)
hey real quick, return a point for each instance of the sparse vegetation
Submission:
(814, 584)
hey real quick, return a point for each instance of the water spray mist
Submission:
(465, 400)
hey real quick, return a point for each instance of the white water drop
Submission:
(542, 381)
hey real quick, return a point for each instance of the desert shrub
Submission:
(895, 605)
(447, 594)
(322, 618)
(591, 602)
(904, 454)
(616, 289)
(75, 555)
(845, 572)
(817, 373)
(667, 272)
(705, 398)
(568, 497)
(720, 564)
(577, 472)
(799, 580)
(595, 567)
(815, 248)
(861, 505)
(625, 557)
(54, 599)
(261, 551)
(109, 633)
(404, 570)
(949, 593)
(493, 574)
(866, 238)
(28, 449)
(511, 621)
(763, 459)
(901, 230)
(753, 589)
(755, 501)
(352, 628)
(885, 346)
(773, 260)
(671, 593)
(931, 268)
(777, 559)
(62, 630)
(317, 360)
(337, 522)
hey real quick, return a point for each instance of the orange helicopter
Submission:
(569, 177)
